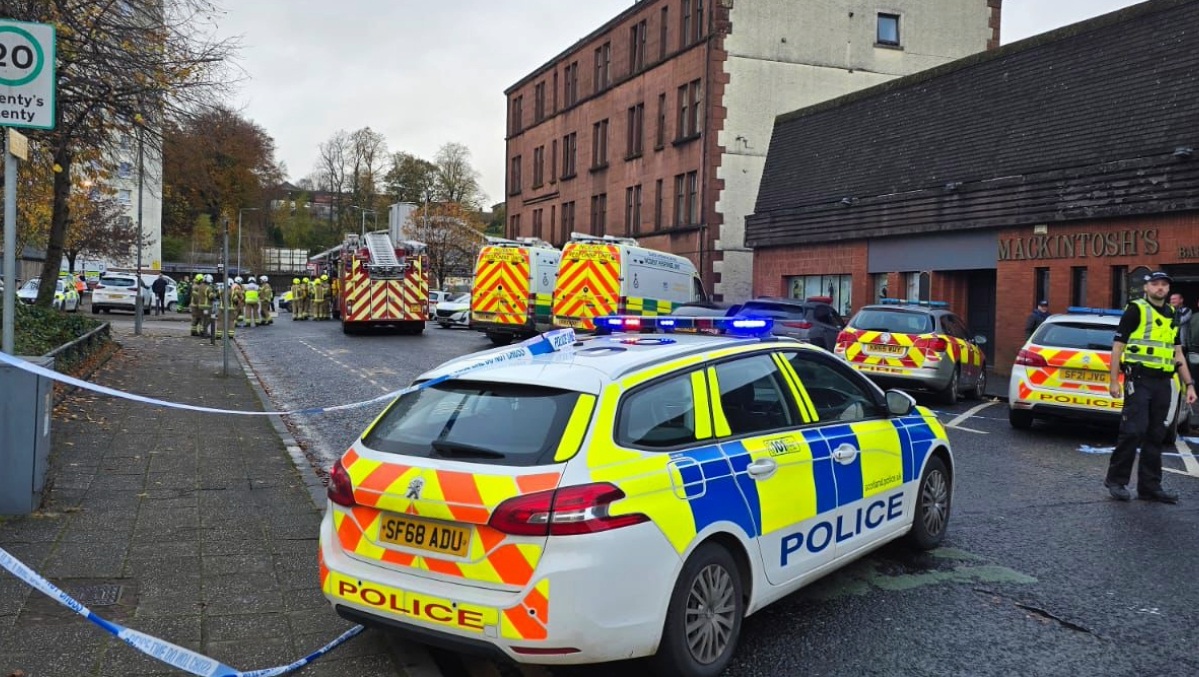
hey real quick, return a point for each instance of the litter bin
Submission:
(26, 402)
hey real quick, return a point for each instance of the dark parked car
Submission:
(813, 320)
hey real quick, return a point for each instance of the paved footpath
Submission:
(195, 528)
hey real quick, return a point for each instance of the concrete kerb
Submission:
(417, 661)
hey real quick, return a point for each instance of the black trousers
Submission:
(1143, 425)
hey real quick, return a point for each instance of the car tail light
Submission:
(801, 324)
(341, 490)
(845, 339)
(1028, 358)
(563, 512)
(931, 346)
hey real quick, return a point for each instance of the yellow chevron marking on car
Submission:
(576, 429)
(703, 423)
(859, 351)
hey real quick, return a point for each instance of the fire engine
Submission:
(384, 282)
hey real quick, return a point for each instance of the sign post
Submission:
(27, 88)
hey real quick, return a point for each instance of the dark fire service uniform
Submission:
(1149, 333)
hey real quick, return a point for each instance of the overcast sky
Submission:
(425, 73)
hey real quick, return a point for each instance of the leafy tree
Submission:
(122, 66)
(457, 179)
(453, 236)
(411, 179)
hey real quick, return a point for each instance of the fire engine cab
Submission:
(384, 282)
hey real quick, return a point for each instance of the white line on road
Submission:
(1188, 459)
(968, 430)
(969, 412)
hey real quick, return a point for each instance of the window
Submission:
(663, 29)
(636, 131)
(555, 91)
(751, 396)
(539, 101)
(879, 284)
(537, 223)
(599, 145)
(1078, 286)
(658, 205)
(1119, 286)
(1077, 335)
(955, 327)
(538, 166)
(554, 162)
(837, 287)
(888, 30)
(603, 66)
(680, 198)
(685, 25)
(693, 215)
(570, 84)
(570, 154)
(697, 21)
(599, 213)
(834, 390)
(553, 220)
(688, 123)
(896, 321)
(658, 416)
(637, 37)
(568, 220)
(517, 114)
(125, 170)
(660, 136)
(514, 225)
(632, 210)
(918, 286)
(456, 417)
(1042, 286)
(125, 196)
(514, 177)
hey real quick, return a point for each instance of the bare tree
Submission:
(331, 173)
(123, 68)
(369, 159)
(457, 179)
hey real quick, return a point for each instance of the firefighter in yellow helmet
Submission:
(302, 301)
(318, 299)
(266, 300)
(328, 294)
(295, 296)
(199, 305)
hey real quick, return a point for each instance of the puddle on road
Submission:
(897, 569)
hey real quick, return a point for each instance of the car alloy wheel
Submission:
(934, 502)
(710, 614)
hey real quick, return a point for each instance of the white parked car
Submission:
(454, 312)
(65, 296)
(436, 297)
(117, 291)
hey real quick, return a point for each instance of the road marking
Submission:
(1188, 460)
(969, 412)
(968, 430)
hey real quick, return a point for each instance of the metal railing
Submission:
(69, 354)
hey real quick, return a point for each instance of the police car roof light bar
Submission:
(1109, 312)
(914, 302)
(738, 325)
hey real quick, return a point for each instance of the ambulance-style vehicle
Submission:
(513, 288)
(384, 283)
(610, 275)
(1063, 372)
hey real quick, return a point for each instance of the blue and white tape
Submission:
(172, 654)
(546, 343)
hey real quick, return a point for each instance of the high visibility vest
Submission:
(252, 295)
(1152, 344)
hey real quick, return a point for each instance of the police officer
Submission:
(1147, 350)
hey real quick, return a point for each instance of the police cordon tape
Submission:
(185, 659)
(539, 345)
(171, 654)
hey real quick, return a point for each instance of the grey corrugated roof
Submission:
(1078, 123)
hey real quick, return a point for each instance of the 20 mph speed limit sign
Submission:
(27, 76)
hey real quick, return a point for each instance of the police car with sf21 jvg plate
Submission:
(632, 494)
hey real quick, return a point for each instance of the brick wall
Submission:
(772, 265)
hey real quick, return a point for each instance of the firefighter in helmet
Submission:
(266, 300)
(199, 305)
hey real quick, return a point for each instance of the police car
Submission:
(636, 494)
(915, 345)
(1063, 371)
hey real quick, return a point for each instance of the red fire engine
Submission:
(383, 283)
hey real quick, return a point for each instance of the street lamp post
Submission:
(139, 310)
(364, 211)
(239, 213)
(225, 296)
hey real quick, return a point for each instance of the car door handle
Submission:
(845, 454)
(762, 468)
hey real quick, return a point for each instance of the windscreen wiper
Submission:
(460, 450)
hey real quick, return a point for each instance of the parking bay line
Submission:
(969, 413)
(1188, 459)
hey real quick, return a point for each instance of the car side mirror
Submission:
(900, 403)
(980, 340)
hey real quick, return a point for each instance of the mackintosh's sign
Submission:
(1128, 242)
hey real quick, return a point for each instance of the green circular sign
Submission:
(13, 56)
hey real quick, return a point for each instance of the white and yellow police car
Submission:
(1063, 370)
(635, 495)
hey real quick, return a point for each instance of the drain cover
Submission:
(102, 594)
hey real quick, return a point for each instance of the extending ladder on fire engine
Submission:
(382, 253)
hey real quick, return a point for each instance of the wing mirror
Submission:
(980, 340)
(900, 403)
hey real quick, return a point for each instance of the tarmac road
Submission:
(1041, 574)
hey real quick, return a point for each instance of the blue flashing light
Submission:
(1109, 312)
(738, 325)
(914, 302)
